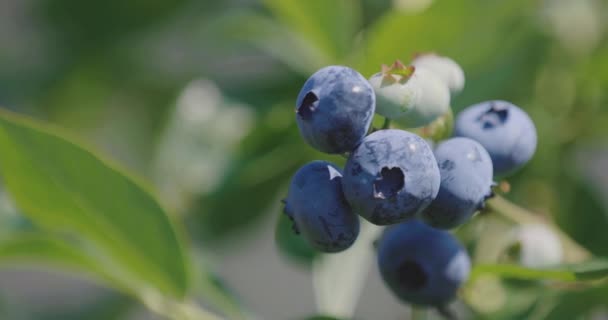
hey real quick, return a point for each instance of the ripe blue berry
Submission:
(506, 131)
(318, 209)
(421, 264)
(466, 182)
(335, 109)
(391, 177)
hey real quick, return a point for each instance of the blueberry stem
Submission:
(386, 124)
(574, 252)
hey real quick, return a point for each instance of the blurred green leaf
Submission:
(596, 65)
(112, 306)
(590, 270)
(323, 318)
(581, 214)
(40, 248)
(267, 158)
(578, 303)
(93, 25)
(213, 290)
(292, 245)
(63, 187)
(515, 64)
(397, 35)
(270, 36)
(329, 25)
(448, 27)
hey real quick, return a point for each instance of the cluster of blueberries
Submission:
(396, 178)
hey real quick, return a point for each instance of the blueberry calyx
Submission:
(389, 183)
(490, 195)
(308, 105)
(389, 73)
(411, 275)
(495, 116)
(482, 205)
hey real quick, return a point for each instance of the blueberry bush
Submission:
(415, 159)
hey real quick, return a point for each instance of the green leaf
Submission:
(267, 158)
(574, 305)
(519, 272)
(94, 26)
(111, 306)
(590, 270)
(329, 25)
(270, 36)
(39, 248)
(62, 186)
(214, 291)
(450, 28)
(322, 318)
(581, 213)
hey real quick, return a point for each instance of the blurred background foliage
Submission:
(198, 98)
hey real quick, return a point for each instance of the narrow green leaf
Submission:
(519, 272)
(64, 187)
(590, 270)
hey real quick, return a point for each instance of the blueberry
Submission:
(334, 109)
(413, 97)
(316, 205)
(422, 265)
(445, 68)
(466, 182)
(506, 131)
(391, 177)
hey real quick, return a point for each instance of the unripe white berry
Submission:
(413, 102)
(540, 246)
(445, 68)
